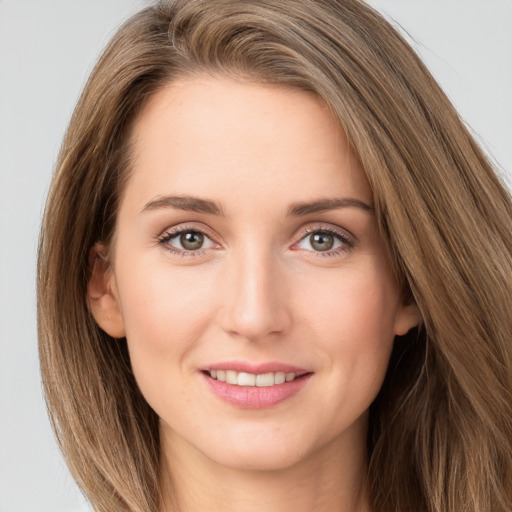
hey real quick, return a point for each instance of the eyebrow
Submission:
(187, 203)
(323, 205)
(198, 205)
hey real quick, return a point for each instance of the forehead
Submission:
(197, 133)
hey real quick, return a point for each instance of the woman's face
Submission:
(247, 249)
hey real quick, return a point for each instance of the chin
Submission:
(259, 460)
(259, 452)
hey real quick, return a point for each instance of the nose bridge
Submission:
(255, 304)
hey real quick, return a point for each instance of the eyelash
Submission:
(347, 241)
(166, 237)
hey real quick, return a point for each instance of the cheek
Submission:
(160, 305)
(352, 322)
(351, 304)
(165, 315)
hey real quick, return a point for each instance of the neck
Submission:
(331, 479)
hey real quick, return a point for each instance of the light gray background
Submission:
(47, 48)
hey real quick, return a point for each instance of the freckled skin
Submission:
(258, 290)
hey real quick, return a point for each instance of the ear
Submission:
(102, 296)
(408, 316)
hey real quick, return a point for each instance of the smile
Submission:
(260, 380)
(254, 387)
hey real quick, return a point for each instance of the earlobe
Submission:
(408, 317)
(102, 295)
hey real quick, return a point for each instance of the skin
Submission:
(258, 290)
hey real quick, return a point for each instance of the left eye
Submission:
(322, 241)
(189, 240)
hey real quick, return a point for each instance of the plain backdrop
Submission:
(47, 48)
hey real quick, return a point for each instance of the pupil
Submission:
(191, 240)
(322, 241)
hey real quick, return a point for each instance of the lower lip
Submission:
(253, 397)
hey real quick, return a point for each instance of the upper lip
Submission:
(256, 369)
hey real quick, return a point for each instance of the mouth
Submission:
(256, 389)
(260, 380)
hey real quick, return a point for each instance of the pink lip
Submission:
(253, 397)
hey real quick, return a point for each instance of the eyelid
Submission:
(329, 228)
(326, 227)
(190, 226)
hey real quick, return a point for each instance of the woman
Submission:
(275, 270)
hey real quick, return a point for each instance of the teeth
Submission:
(249, 379)
(264, 380)
(279, 378)
(246, 379)
(231, 377)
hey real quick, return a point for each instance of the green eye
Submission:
(326, 241)
(191, 240)
(321, 241)
(187, 241)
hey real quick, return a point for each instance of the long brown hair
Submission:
(441, 428)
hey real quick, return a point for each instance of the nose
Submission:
(255, 305)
